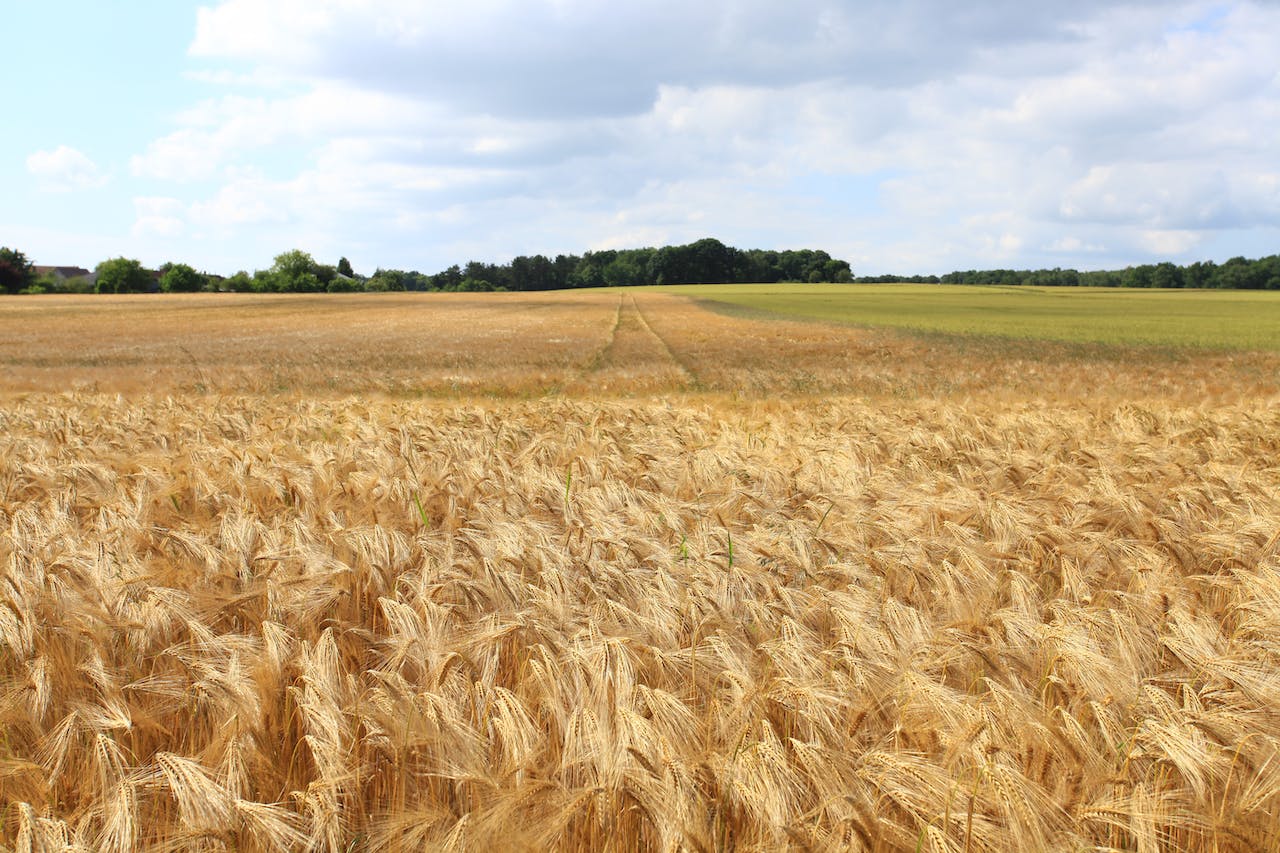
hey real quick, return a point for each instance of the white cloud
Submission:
(567, 57)
(184, 155)
(1170, 243)
(158, 217)
(63, 169)
(246, 200)
(1165, 195)
(978, 133)
(1072, 245)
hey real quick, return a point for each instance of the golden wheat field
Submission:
(620, 572)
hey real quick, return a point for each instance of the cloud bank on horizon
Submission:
(912, 137)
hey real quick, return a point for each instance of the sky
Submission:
(907, 136)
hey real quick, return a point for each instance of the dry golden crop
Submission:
(957, 606)
(575, 343)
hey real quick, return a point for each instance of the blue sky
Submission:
(905, 136)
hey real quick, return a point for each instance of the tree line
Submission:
(706, 261)
(1235, 274)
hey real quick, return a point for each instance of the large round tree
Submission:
(180, 278)
(124, 275)
(16, 272)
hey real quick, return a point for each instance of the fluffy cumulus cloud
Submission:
(158, 217)
(915, 136)
(63, 169)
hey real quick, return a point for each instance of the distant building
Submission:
(62, 273)
(75, 279)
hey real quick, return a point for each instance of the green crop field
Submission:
(1242, 320)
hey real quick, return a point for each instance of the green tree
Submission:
(837, 271)
(264, 281)
(1269, 271)
(16, 272)
(387, 280)
(1199, 274)
(533, 273)
(1139, 276)
(326, 274)
(705, 261)
(757, 266)
(449, 279)
(344, 268)
(239, 283)
(46, 283)
(342, 284)
(590, 271)
(78, 284)
(498, 277)
(1166, 275)
(180, 278)
(124, 275)
(296, 271)
(1234, 274)
(625, 270)
(664, 266)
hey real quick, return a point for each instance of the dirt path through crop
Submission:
(635, 360)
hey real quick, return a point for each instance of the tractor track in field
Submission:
(691, 379)
(634, 359)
